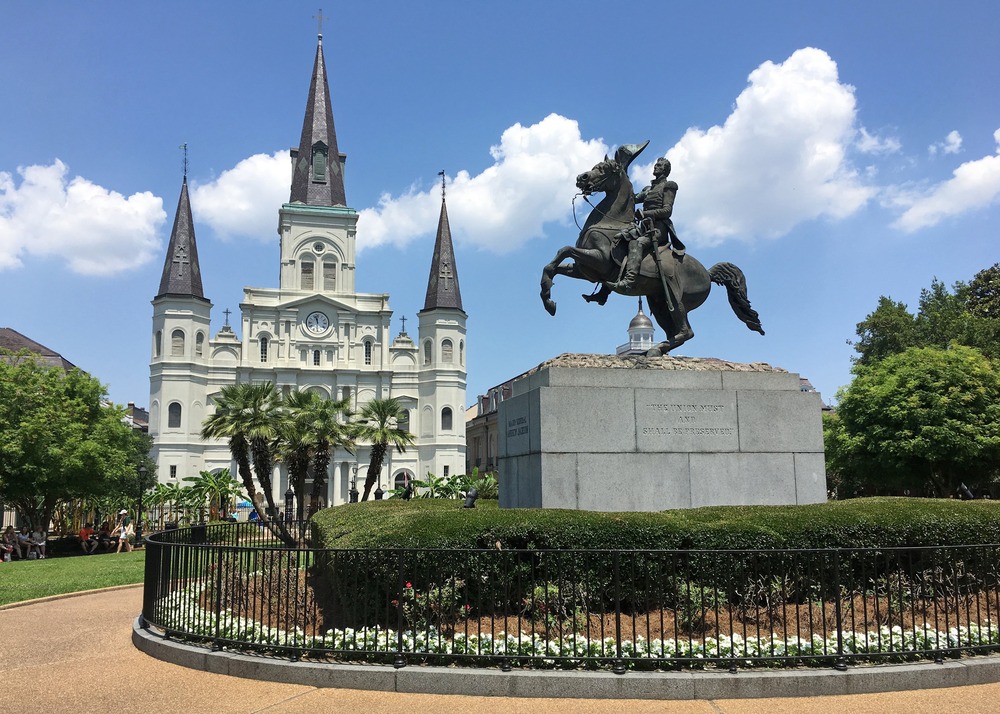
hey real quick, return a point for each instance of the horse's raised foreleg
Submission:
(583, 258)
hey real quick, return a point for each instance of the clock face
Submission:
(317, 322)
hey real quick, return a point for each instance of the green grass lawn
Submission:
(29, 579)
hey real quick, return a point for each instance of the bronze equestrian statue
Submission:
(638, 253)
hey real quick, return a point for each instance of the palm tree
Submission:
(331, 431)
(378, 423)
(296, 442)
(247, 416)
(217, 488)
(312, 427)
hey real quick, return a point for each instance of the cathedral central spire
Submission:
(317, 176)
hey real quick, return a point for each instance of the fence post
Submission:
(619, 664)
(841, 663)
(217, 644)
(400, 660)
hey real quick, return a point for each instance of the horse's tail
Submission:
(735, 283)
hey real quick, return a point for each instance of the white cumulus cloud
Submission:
(242, 201)
(531, 183)
(872, 144)
(96, 231)
(952, 144)
(973, 185)
(778, 160)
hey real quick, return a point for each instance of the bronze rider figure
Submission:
(655, 228)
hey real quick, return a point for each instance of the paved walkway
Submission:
(75, 655)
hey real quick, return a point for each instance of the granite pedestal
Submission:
(604, 433)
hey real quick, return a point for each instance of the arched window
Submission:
(402, 479)
(263, 349)
(368, 352)
(461, 353)
(316, 358)
(446, 419)
(306, 280)
(447, 351)
(174, 416)
(158, 343)
(329, 275)
(427, 352)
(199, 344)
(177, 343)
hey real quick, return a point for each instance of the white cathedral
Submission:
(313, 332)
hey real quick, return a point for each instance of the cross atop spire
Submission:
(319, 21)
(184, 148)
(441, 174)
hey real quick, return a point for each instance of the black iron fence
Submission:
(236, 586)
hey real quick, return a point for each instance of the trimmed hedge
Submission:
(856, 523)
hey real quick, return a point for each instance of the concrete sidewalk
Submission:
(75, 655)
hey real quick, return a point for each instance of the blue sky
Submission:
(836, 152)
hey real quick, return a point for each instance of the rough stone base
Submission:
(603, 433)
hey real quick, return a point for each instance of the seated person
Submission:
(104, 539)
(39, 538)
(25, 545)
(8, 545)
(88, 541)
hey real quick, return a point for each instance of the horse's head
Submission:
(608, 175)
(605, 177)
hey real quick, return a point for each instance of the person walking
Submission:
(124, 530)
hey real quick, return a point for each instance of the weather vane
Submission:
(319, 21)
(184, 147)
(441, 174)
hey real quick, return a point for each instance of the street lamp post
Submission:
(289, 495)
(142, 487)
(354, 485)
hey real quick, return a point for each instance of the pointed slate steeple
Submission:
(317, 179)
(442, 285)
(181, 272)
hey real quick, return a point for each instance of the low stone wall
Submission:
(606, 433)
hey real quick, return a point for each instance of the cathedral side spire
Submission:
(317, 175)
(181, 272)
(442, 284)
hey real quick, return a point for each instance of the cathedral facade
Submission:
(313, 332)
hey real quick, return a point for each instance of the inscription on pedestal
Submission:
(685, 420)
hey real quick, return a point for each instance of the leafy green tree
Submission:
(924, 420)
(984, 293)
(967, 314)
(378, 424)
(59, 438)
(888, 330)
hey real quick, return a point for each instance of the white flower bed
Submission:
(189, 617)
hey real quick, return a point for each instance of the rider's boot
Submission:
(631, 268)
(682, 328)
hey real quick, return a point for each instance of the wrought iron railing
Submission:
(236, 586)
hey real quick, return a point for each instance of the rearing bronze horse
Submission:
(598, 257)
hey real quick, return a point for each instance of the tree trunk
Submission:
(374, 468)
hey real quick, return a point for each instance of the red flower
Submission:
(409, 585)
